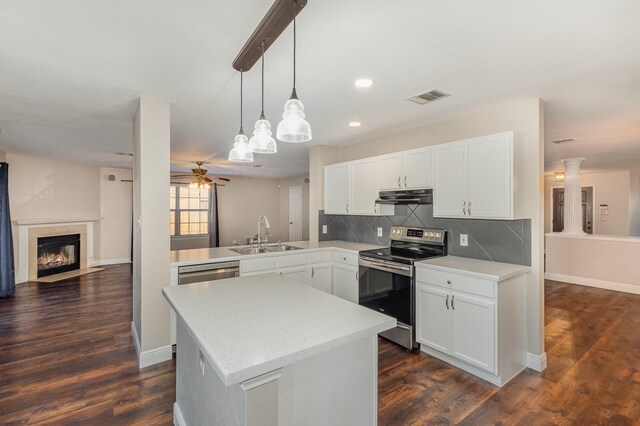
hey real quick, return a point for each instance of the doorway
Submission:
(295, 213)
(557, 209)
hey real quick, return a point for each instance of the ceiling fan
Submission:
(199, 178)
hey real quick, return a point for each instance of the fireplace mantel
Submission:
(48, 221)
(29, 229)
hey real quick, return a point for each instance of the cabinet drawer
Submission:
(293, 260)
(320, 256)
(258, 265)
(348, 257)
(454, 281)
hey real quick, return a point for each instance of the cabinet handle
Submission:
(469, 208)
(347, 207)
(446, 302)
(464, 208)
(357, 276)
(449, 282)
(374, 207)
(313, 272)
(452, 307)
(405, 181)
(399, 186)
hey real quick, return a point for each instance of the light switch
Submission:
(464, 240)
(324, 229)
(379, 231)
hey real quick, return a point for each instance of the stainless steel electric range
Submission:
(387, 277)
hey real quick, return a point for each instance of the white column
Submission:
(572, 196)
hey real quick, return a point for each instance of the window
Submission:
(189, 211)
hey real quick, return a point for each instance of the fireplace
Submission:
(56, 254)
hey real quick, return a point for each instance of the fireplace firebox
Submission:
(57, 254)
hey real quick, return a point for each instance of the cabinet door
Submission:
(490, 176)
(336, 189)
(450, 179)
(473, 331)
(417, 168)
(433, 318)
(320, 276)
(390, 171)
(345, 282)
(298, 273)
(364, 187)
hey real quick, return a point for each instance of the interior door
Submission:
(558, 209)
(295, 213)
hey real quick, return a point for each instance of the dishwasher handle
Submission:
(210, 275)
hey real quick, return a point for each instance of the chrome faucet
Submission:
(266, 227)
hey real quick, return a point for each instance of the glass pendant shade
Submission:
(293, 127)
(261, 142)
(240, 153)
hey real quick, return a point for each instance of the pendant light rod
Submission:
(277, 19)
(262, 102)
(295, 4)
(241, 120)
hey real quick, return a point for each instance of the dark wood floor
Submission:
(66, 356)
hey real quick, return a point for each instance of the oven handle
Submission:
(407, 271)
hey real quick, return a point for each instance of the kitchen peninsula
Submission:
(266, 350)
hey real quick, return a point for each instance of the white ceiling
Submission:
(72, 70)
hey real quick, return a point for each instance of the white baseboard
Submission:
(103, 262)
(178, 419)
(152, 356)
(608, 285)
(537, 362)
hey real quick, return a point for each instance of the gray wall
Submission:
(506, 241)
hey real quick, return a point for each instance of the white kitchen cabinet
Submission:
(473, 323)
(352, 189)
(345, 281)
(406, 170)
(296, 273)
(364, 187)
(474, 178)
(431, 315)
(320, 276)
(337, 188)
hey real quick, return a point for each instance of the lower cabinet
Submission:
(475, 324)
(345, 281)
(296, 273)
(320, 276)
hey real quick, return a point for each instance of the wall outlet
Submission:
(324, 229)
(379, 232)
(464, 240)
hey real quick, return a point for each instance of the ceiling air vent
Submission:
(563, 141)
(430, 96)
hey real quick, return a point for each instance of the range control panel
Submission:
(432, 236)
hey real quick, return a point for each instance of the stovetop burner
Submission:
(409, 245)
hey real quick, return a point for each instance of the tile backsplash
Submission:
(506, 241)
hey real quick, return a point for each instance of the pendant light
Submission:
(293, 127)
(240, 153)
(261, 142)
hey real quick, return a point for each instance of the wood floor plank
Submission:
(66, 357)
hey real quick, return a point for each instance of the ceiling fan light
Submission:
(240, 153)
(261, 142)
(293, 127)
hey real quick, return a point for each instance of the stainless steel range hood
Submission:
(406, 196)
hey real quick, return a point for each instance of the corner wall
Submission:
(634, 203)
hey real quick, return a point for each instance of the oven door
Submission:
(388, 288)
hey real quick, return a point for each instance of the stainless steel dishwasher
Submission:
(208, 272)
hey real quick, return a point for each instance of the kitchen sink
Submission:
(268, 249)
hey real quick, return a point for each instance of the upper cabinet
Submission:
(406, 170)
(352, 189)
(474, 178)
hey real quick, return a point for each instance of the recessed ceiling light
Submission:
(355, 124)
(363, 83)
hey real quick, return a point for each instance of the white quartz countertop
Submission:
(249, 326)
(494, 271)
(224, 254)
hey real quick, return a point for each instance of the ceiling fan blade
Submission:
(206, 179)
(223, 178)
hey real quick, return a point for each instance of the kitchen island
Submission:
(266, 350)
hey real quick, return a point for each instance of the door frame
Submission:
(297, 187)
(593, 210)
